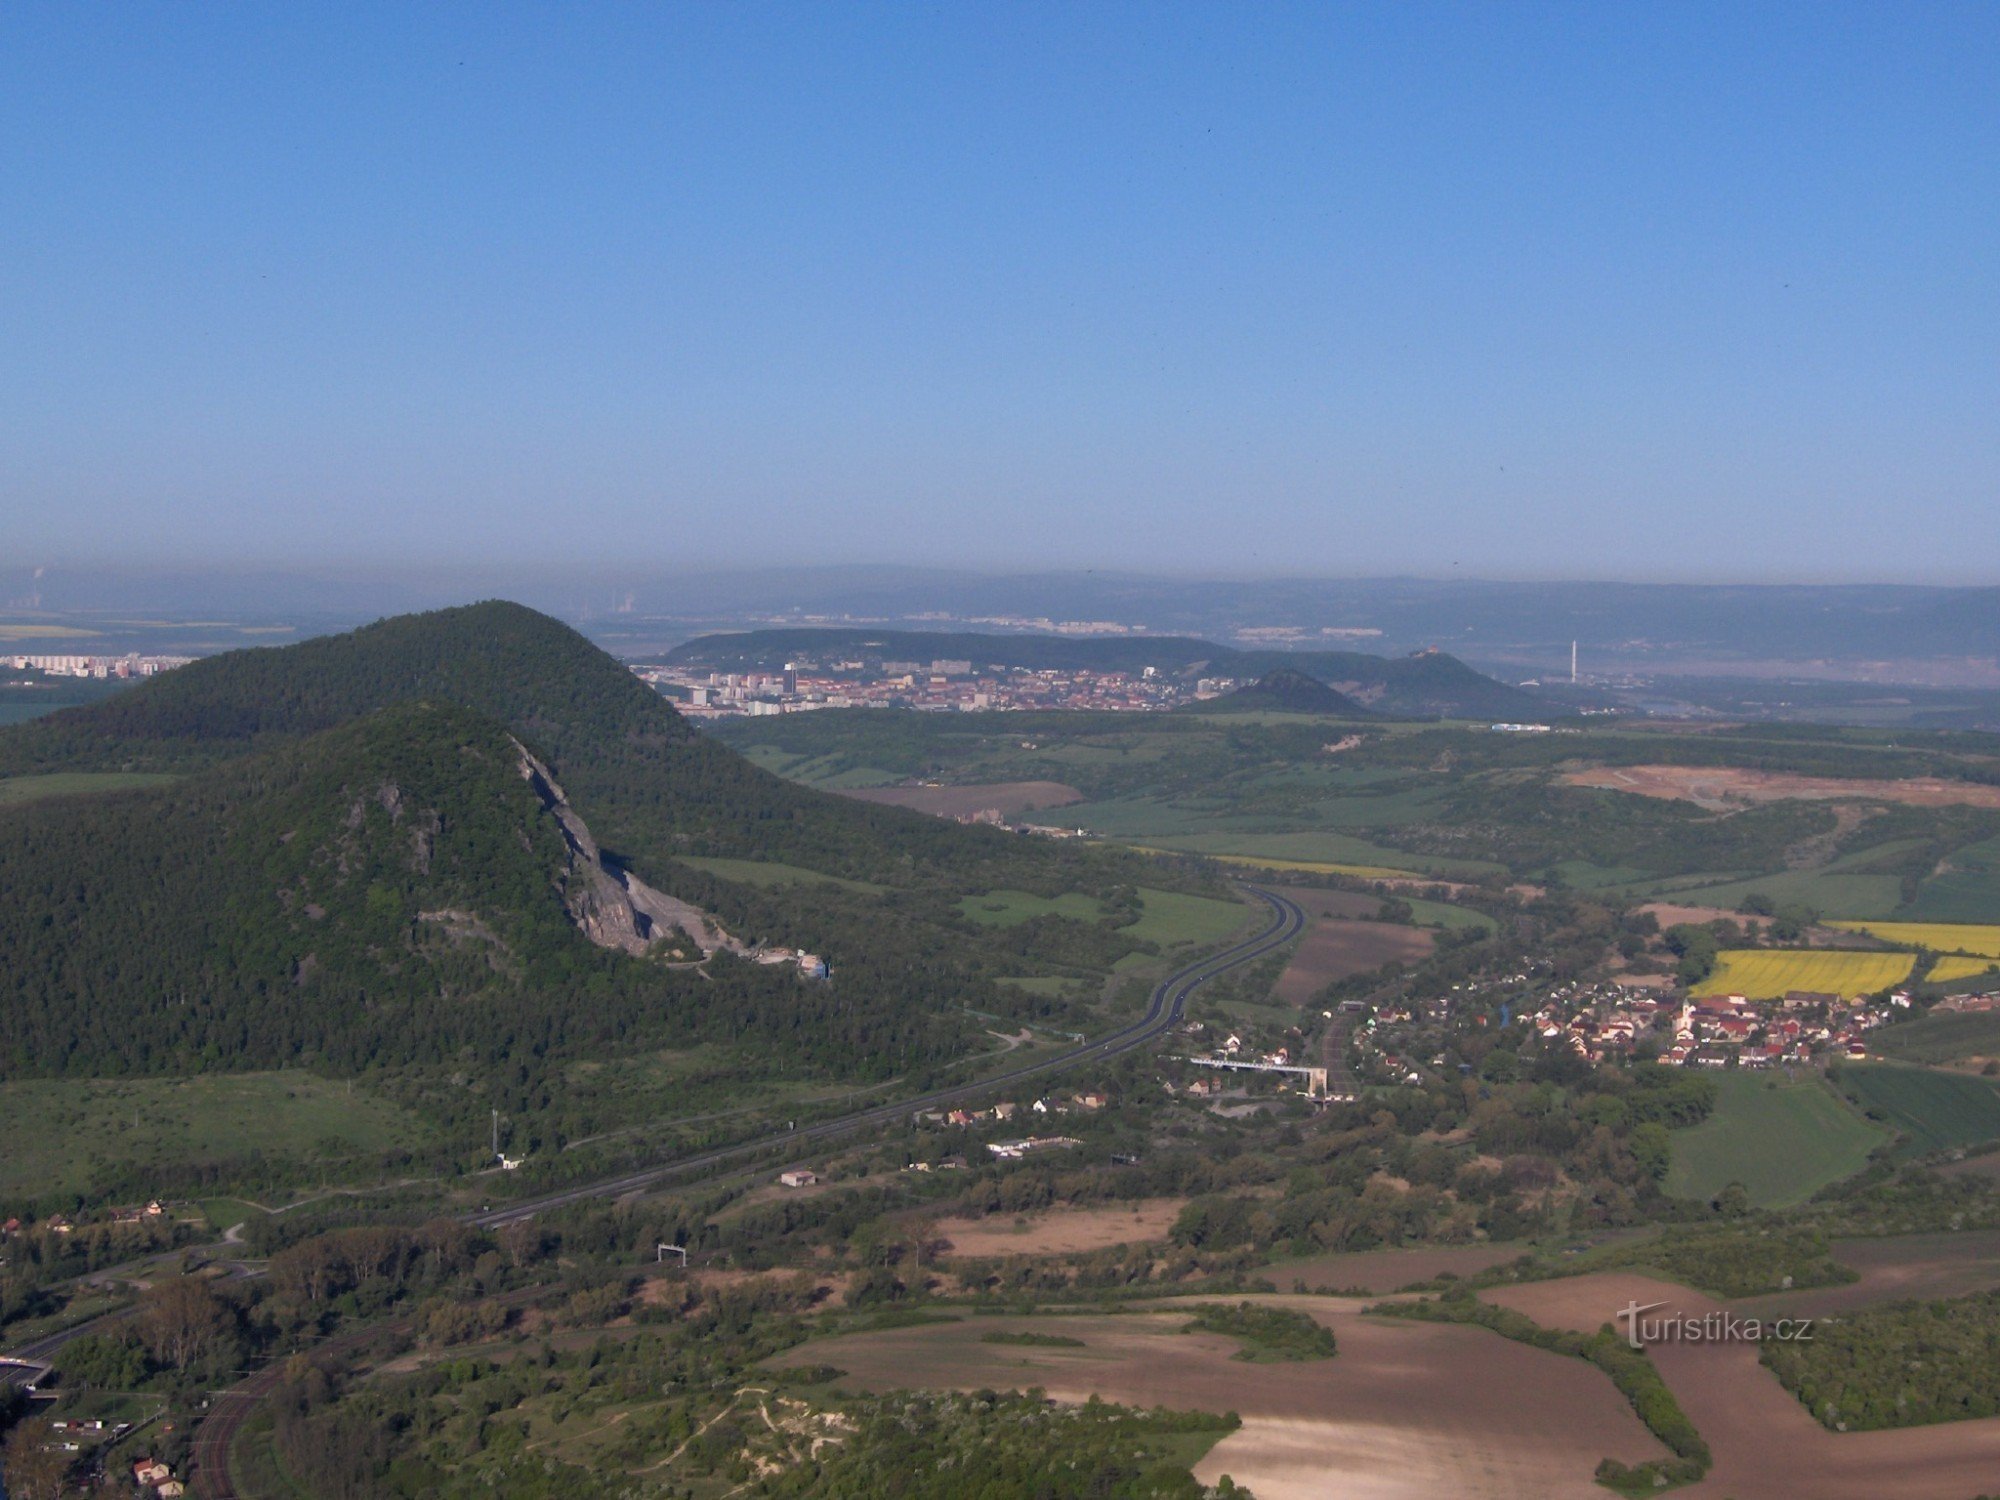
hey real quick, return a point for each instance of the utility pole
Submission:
(496, 1135)
(1572, 663)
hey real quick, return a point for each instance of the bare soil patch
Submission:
(1334, 949)
(1405, 1411)
(1766, 1445)
(1670, 914)
(1720, 789)
(1384, 1271)
(1336, 903)
(1987, 1166)
(1063, 1231)
(1894, 1268)
(1007, 798)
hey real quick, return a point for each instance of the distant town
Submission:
(939, 686)
(101, 668)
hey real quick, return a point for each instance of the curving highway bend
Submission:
(1167, 1004)
(1165, 1007)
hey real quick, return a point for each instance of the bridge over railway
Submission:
(1165, 1007)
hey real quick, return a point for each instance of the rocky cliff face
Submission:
(609, 904)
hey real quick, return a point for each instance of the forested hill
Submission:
(390, 891)
(1425, 685)
(351, 869)
(650, 788)
(1283, 691)
(532, 673)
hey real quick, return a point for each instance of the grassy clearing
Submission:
(19, 789)
(1935, 1111)
(1173, 920)
(769, 873)
(1443, 914)
(1768, 973)
(1782, 1140)
(1004, 908)
(1040, 984)
(225, 1213)
(65, 1136)
(1939, 937)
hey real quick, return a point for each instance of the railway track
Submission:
(1165, 1006)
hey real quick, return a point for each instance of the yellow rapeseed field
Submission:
(1767, 973)
(1939, 937)
(1951, 967)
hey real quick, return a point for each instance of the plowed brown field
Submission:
(1405, 1411)
(1766, 1445)
(1335, 949)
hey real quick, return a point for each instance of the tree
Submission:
(36, 1467)
(182, 1320)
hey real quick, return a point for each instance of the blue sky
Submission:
(1503, 290)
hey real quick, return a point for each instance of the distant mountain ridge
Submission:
(1283, 691)
(463, 831)
(1428, 684)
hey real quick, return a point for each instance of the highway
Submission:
(1165, 1007)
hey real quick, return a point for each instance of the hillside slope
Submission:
(466, 830)
(1283, 691)
(391, 893)
(651, 788)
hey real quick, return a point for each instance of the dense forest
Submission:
(390, 892)
(350, 872)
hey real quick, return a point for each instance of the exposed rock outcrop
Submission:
(610, 905)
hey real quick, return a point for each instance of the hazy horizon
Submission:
(1434, 290)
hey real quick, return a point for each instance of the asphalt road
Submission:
(1165, 1007)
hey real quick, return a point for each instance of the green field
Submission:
(769, 873)
(63, 1136)
(1039, 984)
(1173, 920)
(1967, 891)
(1443, 914)
(1012, 908)
(1837, 894)
(1934, 1110)
(1783, 1141)
(828, 771)
(1940, 1037)
(17, 789)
